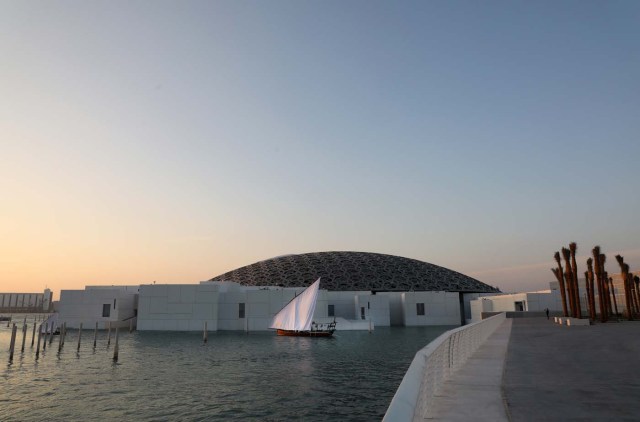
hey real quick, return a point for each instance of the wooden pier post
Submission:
(46, 334)
(115, 349)
(95, 335)
(9, 320)
(33, 336)
(39, 337)
(51, 334)
(60, 342)
(13, 342)
(24, 335)
(79, 336)
(204, 334)
(109, 334)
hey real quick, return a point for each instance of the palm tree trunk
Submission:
(606, 301)
(590, 289)
(613, 294)
(573, 247)
(566, 254)
(563, 293)
(624, 271)
(598, 279)
(586, 283)
(633, 280)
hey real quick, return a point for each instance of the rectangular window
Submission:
(420, 308)
(332, 310)
(240, 310)
(362, 312)
(106, 310)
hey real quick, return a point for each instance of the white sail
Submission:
(298, 313)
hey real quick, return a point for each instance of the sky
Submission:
(172, 141)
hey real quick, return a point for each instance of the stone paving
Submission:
(557, 373)
(532, 369)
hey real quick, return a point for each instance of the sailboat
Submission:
(296, 318)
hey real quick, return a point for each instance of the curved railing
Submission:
(433, 364)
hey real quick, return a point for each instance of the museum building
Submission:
(360, 290)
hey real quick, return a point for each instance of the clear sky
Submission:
(172, 141)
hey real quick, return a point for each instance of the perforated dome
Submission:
(354, 271)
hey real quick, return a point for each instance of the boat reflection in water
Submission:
(296, 318)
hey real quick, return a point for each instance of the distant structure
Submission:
(355, 271)
(26, 302)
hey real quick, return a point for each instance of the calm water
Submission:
(235, 376)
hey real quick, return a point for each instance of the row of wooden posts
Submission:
(596, 279)
(47, 338)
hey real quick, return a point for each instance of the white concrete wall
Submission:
(178, 307)
(343, 303)
(396, 313)
(85, 306)
(534, 302)
(541, 301)
(376, 308)
(441, 308)
(478, 306)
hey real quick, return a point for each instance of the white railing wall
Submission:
(433, 364)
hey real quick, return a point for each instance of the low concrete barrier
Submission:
(576, 321)
(435, 363)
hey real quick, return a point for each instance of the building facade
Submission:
(26, 302)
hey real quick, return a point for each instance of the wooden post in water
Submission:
(204, 334)
(79, 336)
(9, 320)
(24, 335)
(95, 335)
(33, 336)
(109, 334)
(51, 334)
(38, 347)
(12, 345)
(60, 342)
(115, 349)
(46, 334)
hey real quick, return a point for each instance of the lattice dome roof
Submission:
(354, 271)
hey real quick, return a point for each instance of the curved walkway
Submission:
(474, 393)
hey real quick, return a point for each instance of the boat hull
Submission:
(291, 333)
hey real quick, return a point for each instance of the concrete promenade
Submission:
(531, 369)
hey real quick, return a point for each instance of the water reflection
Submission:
(235, 376)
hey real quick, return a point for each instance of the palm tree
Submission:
(573, 247)
(596, 263)
(558, 274)
(590, 292)
(624, 272)
(605, 276)
(566, 254)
